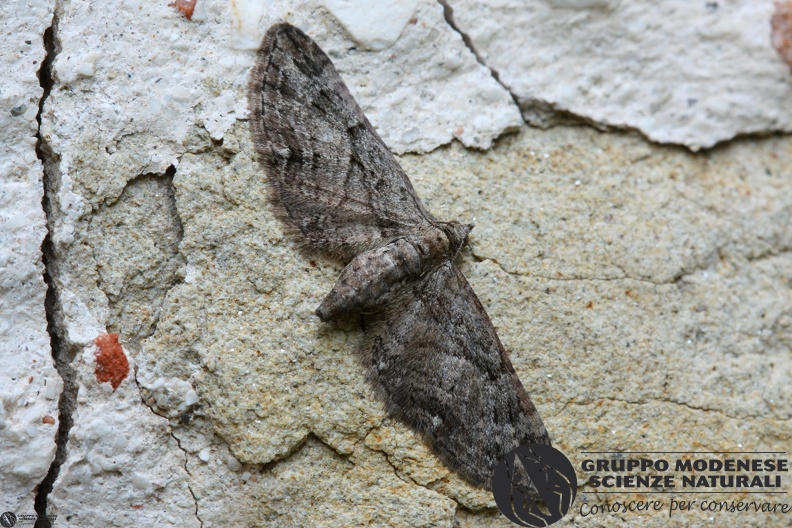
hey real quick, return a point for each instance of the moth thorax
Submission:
(457, 234)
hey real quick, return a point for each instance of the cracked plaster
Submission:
(111, 461)
(660, 275)
(29, 384)
(689, 73)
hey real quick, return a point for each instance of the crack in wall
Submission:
(482, 258)
(448, 14)
(484, 514)
(649, 401)
(62, 353)
(706, 264)
(141, 392)
(535, 112)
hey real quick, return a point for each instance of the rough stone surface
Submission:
(643, 291)
(29, 383)
(692, 73)
(633, 263)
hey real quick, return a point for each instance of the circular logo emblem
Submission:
(534, 485)
(8, 519)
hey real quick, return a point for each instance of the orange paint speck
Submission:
(185, 6)
(111, 363)
(48, 420)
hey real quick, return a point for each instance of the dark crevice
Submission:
(448, 13)
(62, 353)
(170, 173)
(535, 112)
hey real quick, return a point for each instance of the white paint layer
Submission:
(692, 73)
(29, 383)
(376, 24)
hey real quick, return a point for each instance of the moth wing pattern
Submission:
(332, 179)
(436, 361)
(431, 352)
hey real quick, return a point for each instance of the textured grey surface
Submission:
(643, 291)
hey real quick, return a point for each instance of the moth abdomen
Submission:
(373, 277)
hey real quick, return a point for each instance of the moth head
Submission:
(457, 233)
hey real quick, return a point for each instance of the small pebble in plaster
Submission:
(49, 420)
(112, 364)
(139, 480)
(181, 94)
(51, 391)
(782, 30)
(191, 398)
(185, 6)
(157, 384)
(233, 464)
(204, 454)
(88, 67)
(433, 355)
(85, 69)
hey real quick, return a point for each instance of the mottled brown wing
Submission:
(438, 364)
(330, 174)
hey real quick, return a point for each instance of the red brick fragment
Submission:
(185, 6)
(111, 363)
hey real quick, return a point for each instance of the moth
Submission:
(431, 353)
